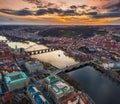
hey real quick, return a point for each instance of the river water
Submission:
(97, 85)
(56, 58)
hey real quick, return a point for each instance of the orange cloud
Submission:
(65, 20)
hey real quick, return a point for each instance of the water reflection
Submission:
(101, 88)
(56, 58)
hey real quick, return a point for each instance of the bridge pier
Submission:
(28, 53)
(50, 50)
(46, 50)
(40, 51)
(34, 52)
(53, 49)
(5, 41)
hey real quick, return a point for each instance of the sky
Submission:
(60, 12)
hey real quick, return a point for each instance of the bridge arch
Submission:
(40, 51)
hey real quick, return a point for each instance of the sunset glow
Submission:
(50, 12)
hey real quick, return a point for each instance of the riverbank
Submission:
(76, 85)
(97, 85)
(67, 78)
(112, 74)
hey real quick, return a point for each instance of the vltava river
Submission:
(97, 85)
(56, 58)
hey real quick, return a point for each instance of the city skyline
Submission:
(60, 12)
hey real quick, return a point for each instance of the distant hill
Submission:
(62, 31)
(74, 31)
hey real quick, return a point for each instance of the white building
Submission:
(34, 66)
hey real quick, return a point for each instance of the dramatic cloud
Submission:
(49, 11)
(73, 7)
(92, 13)
(114, 5)
(107, 15)
(60, 11)
(43, 3)
(22, 12)
(25, 12)
(82, 6)
(42, 12)
(93, 7)
(113, 11)
(54, 10)
(70, 13)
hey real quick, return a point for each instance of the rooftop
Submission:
(51, 79)
(111, 65)
(32, 64)
(57, 85)
(15, 77)
(36, 95)
(32, 89)
(73, 99)
(39, 99)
